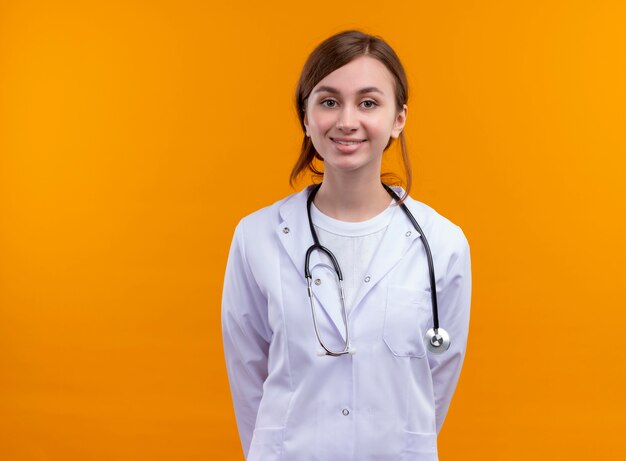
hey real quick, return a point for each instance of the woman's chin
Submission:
(349, 165)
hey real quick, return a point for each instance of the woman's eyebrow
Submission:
(367, 89)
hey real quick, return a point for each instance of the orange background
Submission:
(135, 134)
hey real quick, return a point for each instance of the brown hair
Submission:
(330, 55)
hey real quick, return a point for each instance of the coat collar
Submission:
(295, 236)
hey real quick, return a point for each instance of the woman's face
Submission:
(351, 114)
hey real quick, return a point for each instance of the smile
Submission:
(347, 143)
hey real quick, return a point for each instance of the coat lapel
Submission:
(294, 234)
(396, 242)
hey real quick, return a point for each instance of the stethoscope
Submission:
(437, 339)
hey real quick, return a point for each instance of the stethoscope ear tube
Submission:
(317, 246)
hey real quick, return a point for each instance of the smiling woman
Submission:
(351, 116)
(378, 63)
(332, 365)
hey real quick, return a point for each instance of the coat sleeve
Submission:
(454, 312)
(246, 336)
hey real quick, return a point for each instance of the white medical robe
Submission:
(388, 400)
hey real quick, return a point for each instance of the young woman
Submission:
(345, 314)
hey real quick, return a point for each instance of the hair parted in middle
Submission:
(333, 53)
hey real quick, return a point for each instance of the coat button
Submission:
(345, 412)
(367, 279)
(285, 230)
(318, 282)
(408, 233)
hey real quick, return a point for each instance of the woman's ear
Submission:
(399, 122)
(306, 124)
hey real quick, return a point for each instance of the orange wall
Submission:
(134, 135)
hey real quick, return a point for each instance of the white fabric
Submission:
(389, 400)
(352, 243)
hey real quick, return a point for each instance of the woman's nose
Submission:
(347, 120)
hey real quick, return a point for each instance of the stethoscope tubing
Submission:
(438, 339)
(429, 256)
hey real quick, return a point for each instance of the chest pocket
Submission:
(407, 316)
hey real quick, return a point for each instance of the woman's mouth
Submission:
(347, 146)
(348, 143)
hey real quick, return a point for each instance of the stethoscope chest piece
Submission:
(438, 342)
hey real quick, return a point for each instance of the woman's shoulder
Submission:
(438, 228)
(270, 216)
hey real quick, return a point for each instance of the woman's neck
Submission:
(351, 198)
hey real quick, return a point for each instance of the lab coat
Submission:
(389, 399)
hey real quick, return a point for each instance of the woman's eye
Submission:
(369, 104)
(328, 100)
